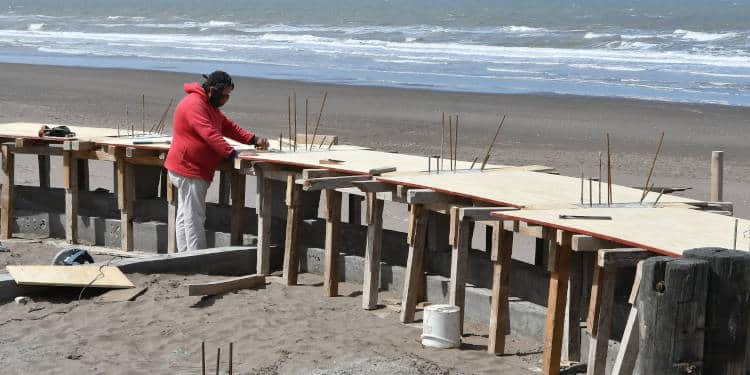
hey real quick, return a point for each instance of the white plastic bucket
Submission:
(441, 326)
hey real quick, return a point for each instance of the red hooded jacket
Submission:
(198, 145)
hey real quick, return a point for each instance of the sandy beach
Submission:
(564, 132)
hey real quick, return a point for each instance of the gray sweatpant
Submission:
(191, 211)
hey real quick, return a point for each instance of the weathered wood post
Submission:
(672, 304)
(717, 176)
(726, 309)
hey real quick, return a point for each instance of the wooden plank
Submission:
(78, 145)
(666, 230)
(333, 237)
(481, 213)
(459, 262)
(6, 196)
(70, 171)
(83, 174)
(318, 173)
(226, 286)
(293, 218)
(31, 130)
(125, 191)
(331, 182)
(596, 289)
(502, 247)
(558, 292)
(44, 168)
(571, 350)
(626, 356)
(263, 204)
(238, 205)
(171, 216)
(76, 276)
(521, 188)
(418, 216)
(381, 170)
(371, 283)
(622, 257)
(121, 295)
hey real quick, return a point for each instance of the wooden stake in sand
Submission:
(294, 94)
(492, 144)
(289, 121)
(203, 358)
(653, 164)
(609, 173)
(218, 359)
(317, 123)
(442, 142)
(231, 349)
(450, 142)
(306, 115)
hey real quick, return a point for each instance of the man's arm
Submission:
(231, 130)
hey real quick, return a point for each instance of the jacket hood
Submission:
(195, 88)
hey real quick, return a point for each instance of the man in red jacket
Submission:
(198, 146)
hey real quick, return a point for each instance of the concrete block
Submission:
(225, 261)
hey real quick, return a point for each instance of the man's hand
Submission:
(261, 143)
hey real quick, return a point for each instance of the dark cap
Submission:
(218, 79)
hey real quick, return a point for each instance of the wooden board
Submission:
(523, 189)
(78, 276)
(227, 285)
(129, 141)
(667, 230)
(31, 130)
(352, 161)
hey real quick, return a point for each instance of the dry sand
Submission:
(275, 330)
(564, 132)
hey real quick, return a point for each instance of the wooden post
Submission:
(6, 197)
(238, 206)
(371, 283)
(597, 359)
(558, 292)
(500, 255)
(333, 237)
(355, 209)
(171, 216)
(727, 312)
(717, 176)
(71, 181)
(672, 308)
(83, 174)
(225, 180)
(418, 229)
(43, 171)
(293, 218)
(125, 199)
(163, 181)
(459, 261)
(263, 203)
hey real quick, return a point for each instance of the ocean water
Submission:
(681, 51)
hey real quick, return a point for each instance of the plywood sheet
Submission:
(129, 141)
(77, 276)
(351, 161)
(31, 130)
(667, 230)
(523, 189)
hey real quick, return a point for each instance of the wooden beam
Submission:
(372, 186)
(459, 262)
(381, 170)
(418, 229)
(558, 293)
(293, 218)
(70, 171)
(626, 356)
(331, 182)
(482, 213)
(622, 257)
(502, 247)
(238, 205)
(134, 152)
(333, 237)
(83, 174)
(6, 196)
(226, 286)
(77, 145)
(371, 283)
(125, 191)
(224, 187)
(153, 161)
(93, 155)
(318, 173)
(263, 207)
(426, 196)
(597, 358)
